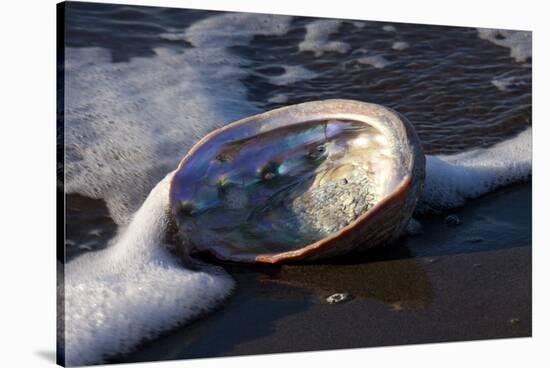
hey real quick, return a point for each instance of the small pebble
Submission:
(431, 260)
(452, 220)
(338, 298)
(514, 321)
(397, 306)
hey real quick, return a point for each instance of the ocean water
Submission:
(142, 84)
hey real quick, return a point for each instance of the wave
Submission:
(135, 289)
(453, 179)
(127, 124)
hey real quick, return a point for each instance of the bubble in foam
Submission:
(317, 36)
(519, 42)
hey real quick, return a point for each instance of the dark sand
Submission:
(449, 283)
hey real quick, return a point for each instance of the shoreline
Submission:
(422, 290)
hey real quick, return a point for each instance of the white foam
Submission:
(135, 289)
(400, 45)
(279, 98)
(389, 28)
(291, 75)
(177, 36)
(519, 42)
(317, 36)
(377, 61)
(129, 123)
(235, 29)
(506, 84)
(359, 23)
(231, 29)
(453, 179)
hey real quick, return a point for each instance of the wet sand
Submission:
(449, 283)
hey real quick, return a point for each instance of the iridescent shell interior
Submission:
(280, 181)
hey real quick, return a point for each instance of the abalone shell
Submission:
(303, 182)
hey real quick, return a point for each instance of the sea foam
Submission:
(279, 98)
(317, 36)
(519, 42)
(127, 124)
(509, 83)
(453, 179)
(292, 74)
(232, 29)
(135, 289)
(400, 45)
(377, 61)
